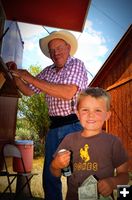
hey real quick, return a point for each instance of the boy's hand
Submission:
(105, 187)
(62, 159)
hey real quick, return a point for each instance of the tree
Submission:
(33, 112)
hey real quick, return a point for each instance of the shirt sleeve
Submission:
(76, 74)
(41, 76)
(63, 145)
(120, 155)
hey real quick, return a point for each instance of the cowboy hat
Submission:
(64, 35)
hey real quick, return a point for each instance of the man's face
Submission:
(59, 51)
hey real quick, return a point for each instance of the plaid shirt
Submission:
(74, 72)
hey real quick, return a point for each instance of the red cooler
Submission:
(26, 148)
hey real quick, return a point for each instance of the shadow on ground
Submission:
(8, 196)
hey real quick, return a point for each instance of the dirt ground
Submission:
(38, 191)
(36, 181)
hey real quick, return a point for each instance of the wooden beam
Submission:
(119, 83)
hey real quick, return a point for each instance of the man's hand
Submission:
(11, 65)
(23, 75)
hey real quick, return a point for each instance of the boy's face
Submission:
(92, 112)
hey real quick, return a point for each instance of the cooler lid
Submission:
(23, 142)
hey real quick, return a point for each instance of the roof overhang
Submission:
(65, 14)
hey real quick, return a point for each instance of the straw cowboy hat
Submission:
(64, 35)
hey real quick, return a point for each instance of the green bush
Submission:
(33, 119)
(24, 134)
(34, 110)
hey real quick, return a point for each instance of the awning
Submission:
(65, 14)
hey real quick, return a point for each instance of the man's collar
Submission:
(67, 62)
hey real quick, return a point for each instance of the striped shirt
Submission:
(74, 72)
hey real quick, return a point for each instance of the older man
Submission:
(61, 82)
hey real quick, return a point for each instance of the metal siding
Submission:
(12, 45)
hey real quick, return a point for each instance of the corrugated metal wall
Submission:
(12, 50)
(12, 44)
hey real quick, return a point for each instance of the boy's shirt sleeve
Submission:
(62, 145)
(120, 155)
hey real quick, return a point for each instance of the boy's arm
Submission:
(106, 186)
(122, 176)
(55, 170)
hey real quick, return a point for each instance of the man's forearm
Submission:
(63, 91)
(23, 87)
(57, 90)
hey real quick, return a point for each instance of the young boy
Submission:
(94, 151)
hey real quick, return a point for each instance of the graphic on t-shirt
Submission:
(84, 153)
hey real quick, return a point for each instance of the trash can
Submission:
(26, 148)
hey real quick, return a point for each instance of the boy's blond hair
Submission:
(95, 92)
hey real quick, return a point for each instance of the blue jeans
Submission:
(52, 185)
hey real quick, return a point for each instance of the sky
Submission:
(106, 23)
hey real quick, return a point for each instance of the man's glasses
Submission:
(59, 49)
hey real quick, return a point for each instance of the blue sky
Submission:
(106, 23)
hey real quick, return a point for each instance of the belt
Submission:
(58, 121)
